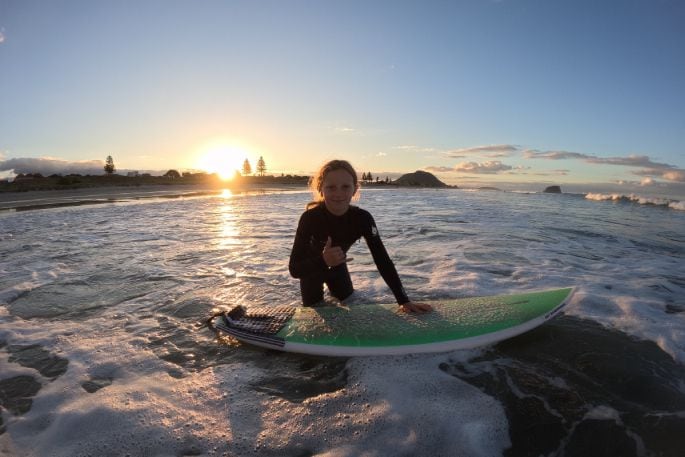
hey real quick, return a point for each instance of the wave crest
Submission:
(632, 198)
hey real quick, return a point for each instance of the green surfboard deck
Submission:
(385, 330)
(386, 325)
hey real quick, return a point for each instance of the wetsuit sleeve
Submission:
(383, 261)
(305, 260)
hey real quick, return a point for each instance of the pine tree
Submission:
(247, 168)
(109, 165)
(261, 166)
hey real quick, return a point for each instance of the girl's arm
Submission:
(388, 271)
(303, 261)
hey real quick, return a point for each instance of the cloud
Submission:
(554, 155)
(413, 148)
(630, 161)
(345, 130)
(674, 175)
(668, 174)
(2, 35)
(493, 150)
(49, 166)
(439, 169)
(650, 168)
(489, 167)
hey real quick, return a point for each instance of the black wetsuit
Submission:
(306, 260)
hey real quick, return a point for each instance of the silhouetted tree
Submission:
(173, 174)
(261, 166)
(247, 168)
(109, 165)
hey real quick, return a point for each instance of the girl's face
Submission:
(337, 190)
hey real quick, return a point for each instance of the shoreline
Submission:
(45, 199)
(93, 194)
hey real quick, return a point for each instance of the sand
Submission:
(40, 199)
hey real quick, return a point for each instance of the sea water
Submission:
(103, 350)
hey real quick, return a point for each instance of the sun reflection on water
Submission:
(229, 234)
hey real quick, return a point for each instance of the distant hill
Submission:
(419, 179)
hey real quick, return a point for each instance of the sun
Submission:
(222, 159)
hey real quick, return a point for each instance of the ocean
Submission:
(104, 351)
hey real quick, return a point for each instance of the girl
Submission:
(326, 231)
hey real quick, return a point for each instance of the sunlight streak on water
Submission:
(230, 235)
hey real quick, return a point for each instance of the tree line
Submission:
(246, 170)
(368, 177)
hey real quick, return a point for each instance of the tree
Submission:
(247, 168)
(369, 177)
(261, 166)
(173, 174)
(109, 165)
(363, 176)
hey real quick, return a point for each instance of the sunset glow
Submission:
(412, 90)
(223, 159)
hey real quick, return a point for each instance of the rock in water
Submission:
(552, 190)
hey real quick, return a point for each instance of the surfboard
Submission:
(382, 329)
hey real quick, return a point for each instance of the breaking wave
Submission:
(632, 198)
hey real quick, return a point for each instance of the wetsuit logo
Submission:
(374, 231)
(316, 245)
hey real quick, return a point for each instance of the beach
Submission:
(41, 199)
(55, 198)
(104, 351)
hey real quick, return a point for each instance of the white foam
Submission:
(642, 200)
(391, 406)
(603, 412)
(404, 405)
(680, 205)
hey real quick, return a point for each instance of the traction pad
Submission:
(260, 320)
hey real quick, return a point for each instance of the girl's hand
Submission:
(333, 255)
(419, 308)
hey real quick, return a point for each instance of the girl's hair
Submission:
(316, 181)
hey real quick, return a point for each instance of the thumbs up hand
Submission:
(333, 255)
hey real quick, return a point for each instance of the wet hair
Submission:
(316, 181)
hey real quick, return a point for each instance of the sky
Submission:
(584, 94)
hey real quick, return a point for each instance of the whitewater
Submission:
(104, 351)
